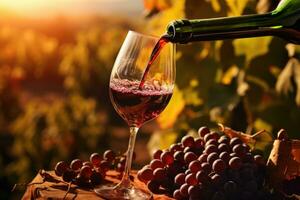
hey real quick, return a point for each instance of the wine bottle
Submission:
(284, 22)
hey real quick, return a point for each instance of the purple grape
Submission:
(187, 141)
(61, 167)
(195, 166)
(235, 163)
(95, 159)
(189, 157)
(219, 166)
(156, 163)
(202, 131)
(76, 164)
(212, 157)
(167, 158)
(157, 154)
(180, 179)
(191, 179)
(109, 155)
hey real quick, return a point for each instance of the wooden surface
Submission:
(54, 189)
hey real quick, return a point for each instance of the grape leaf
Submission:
(258, 141)
(284, 83)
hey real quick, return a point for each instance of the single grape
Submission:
(69, 175)
(146, 174)
(224, 140)
(208, 137)
(234, 141)
(96, 178)
(206, 167)
(156, 163)
(157, 154)
(159, 174)
(109, 155)
(203, 158)
(104, 165)
(177, 195)
(211, 148)
(189, 157)
(167, 158)
(95, 159)
(179, 156)
(61, 167)
(184, 190)
(219, 166)
(175, 147)
(223, 148)
(239, 150)
(212, 157)
(187, 141)
(191, 179)
(225, 157)
(153, 186)
(202, 131)
(180, 179)
(76, 164)
(195, 166)
(202, 177)
(86, 172)
(235, 163)
(216, 179)
(259, 160)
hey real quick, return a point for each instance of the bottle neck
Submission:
(183, 31)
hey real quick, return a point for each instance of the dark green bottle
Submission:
(283, 22)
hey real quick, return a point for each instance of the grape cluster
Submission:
(92, 172)
(211, 167)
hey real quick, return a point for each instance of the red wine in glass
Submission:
(137, 106)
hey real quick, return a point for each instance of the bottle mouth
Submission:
(180, 31)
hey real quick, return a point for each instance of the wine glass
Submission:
(135, 104)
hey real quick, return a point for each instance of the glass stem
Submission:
(126, 183)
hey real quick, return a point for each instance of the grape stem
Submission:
(126, 182)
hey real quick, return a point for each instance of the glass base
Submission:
(116, 192)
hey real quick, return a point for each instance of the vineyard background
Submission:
(54, 76)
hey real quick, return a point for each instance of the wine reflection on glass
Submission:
(138, 103)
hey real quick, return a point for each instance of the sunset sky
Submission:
(52, 7)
